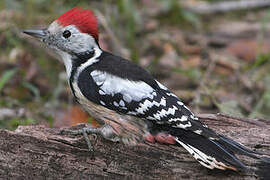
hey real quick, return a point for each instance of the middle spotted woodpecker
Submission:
(130, 104)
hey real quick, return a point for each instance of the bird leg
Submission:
(105, 131)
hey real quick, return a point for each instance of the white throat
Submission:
(67, 59)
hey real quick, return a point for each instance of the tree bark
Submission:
(37, 152)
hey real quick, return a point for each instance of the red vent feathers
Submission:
(83, 19)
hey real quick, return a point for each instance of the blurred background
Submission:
(213, 54)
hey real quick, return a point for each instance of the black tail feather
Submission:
(218, 152)
(232, 158)
(237, 147)
(210, 153)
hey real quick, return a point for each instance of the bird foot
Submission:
(85, 132)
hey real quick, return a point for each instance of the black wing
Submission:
(122, 86)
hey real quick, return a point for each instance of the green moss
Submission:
(14, 123)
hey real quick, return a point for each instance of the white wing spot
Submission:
(115, 104)
(101, 92)
(164, 112)
(122, 103)
(198, 131)
(184, 126)
(163, 101)
(132, 113)
(148, 104)
(183, 118)
(150, 118)
(103, 103)
(144, 106)
(180, 103)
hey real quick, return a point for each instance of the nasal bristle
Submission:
(83, 19)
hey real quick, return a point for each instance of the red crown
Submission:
(83, 19)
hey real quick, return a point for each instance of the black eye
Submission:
(66, 34)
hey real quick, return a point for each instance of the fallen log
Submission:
(37, 152)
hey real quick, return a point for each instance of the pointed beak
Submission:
(39, 33)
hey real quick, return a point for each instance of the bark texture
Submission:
(37, 152)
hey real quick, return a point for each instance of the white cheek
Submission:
(81, 42)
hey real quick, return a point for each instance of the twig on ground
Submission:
(204, 80)
(225, 6)
(225, 117)
(116, 42)
(7, 113)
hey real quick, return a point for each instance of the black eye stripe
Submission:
(66, 34)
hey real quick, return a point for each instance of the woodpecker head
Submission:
(73, 33)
